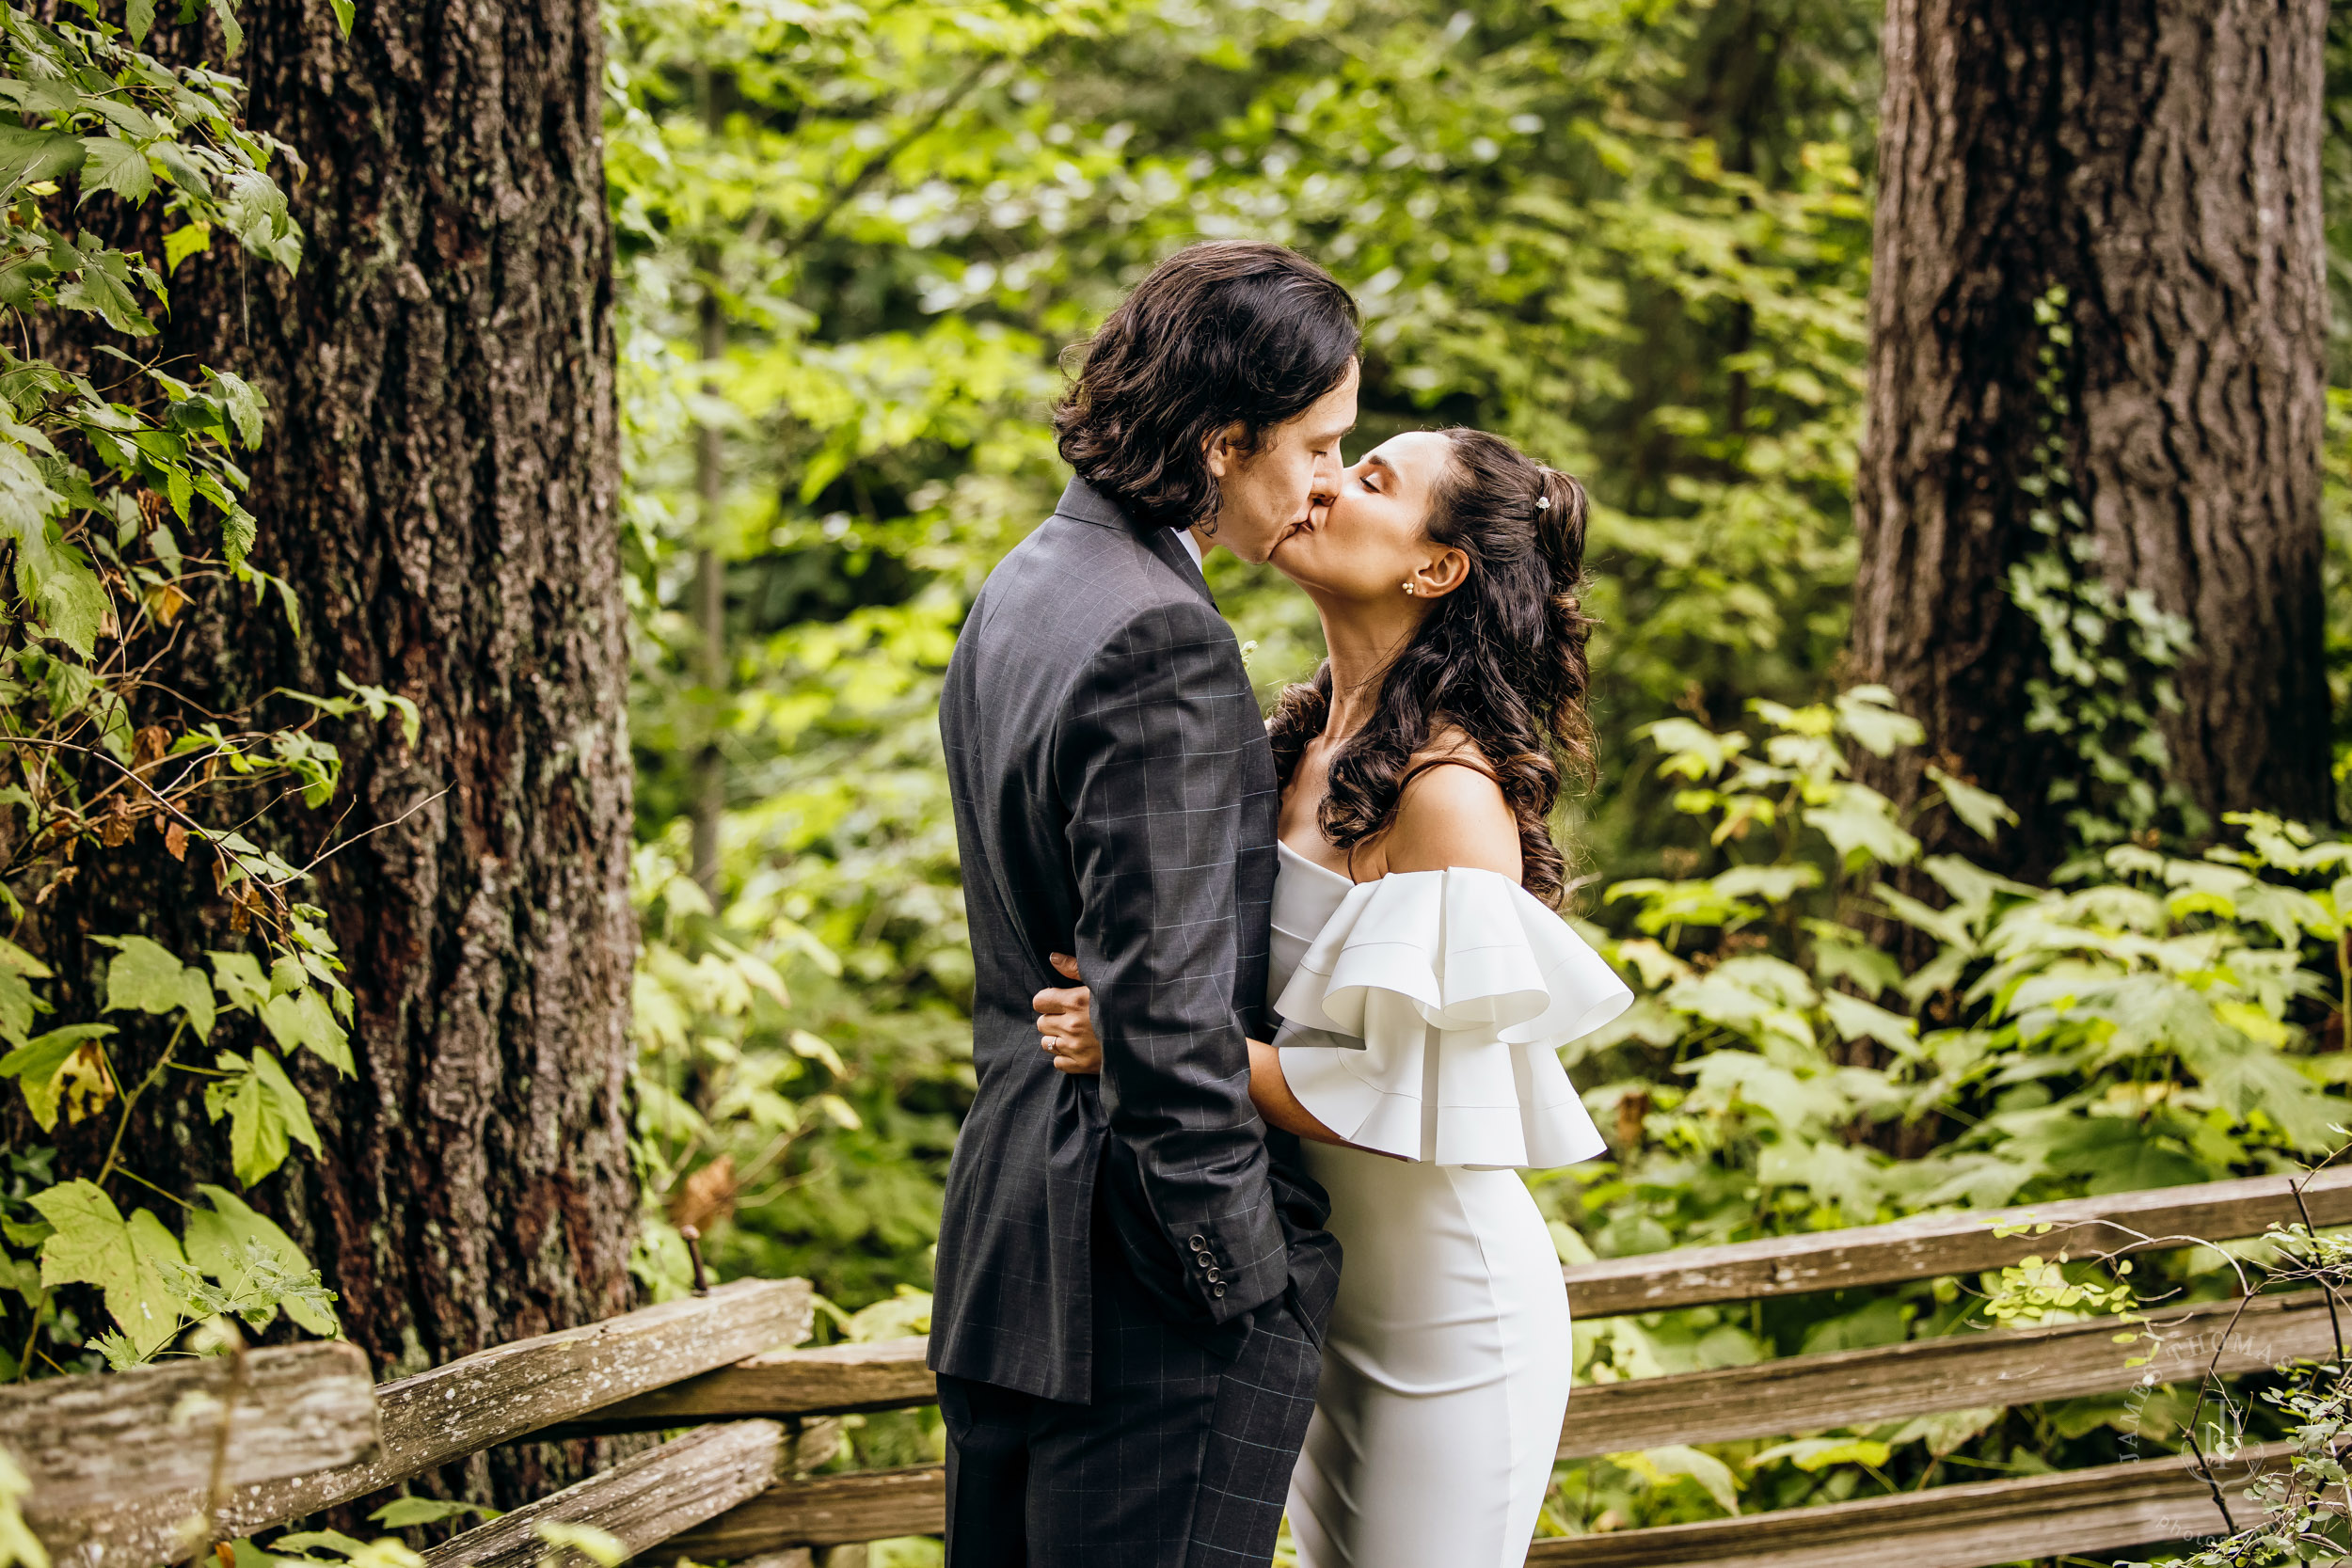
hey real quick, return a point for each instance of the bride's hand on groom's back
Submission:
(1065, 1026)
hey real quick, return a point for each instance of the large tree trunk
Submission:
(437, 484)
(2158, 161)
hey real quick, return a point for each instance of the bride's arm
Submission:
(1065, 1029)
(1271, 1094)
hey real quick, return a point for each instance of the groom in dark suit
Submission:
(1133, 1271)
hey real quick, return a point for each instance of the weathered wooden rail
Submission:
(92, 1445)
(148, 1514)
(1947, 1526)
(134, 1470)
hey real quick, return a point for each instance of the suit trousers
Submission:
(1181, 1461)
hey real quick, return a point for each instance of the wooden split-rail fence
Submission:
(140, 1469)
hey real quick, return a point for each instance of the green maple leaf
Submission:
(114, 164)
(145, 977)
(266, 1114)
(219, 1236)
(302, 1018)
(94, 1244)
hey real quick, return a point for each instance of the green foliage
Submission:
(2158, 1021)
(120, 507)
(255, 1263)
(766, 440)
(1635, 236)
(264, 1110)
(236, 1264)
(406, 1512)
(2110, 655)
(852, 246)
(2151, 1027)
(2292, 1513)
(323, 1548)
(19, 1546)
(92, 1243)
(2336, 509)
(568, 1542)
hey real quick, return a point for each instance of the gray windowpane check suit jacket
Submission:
(1115, 799)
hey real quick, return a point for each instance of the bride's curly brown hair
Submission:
(1501, 660)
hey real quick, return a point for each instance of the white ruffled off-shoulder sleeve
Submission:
(1426, 1021)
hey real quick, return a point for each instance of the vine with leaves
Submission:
(121, 486)
(2110, 656)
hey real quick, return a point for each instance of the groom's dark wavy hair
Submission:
(1229, 331)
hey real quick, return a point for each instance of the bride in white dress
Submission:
(1426, 986)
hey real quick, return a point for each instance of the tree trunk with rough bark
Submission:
(2158, 162)
(438, 485)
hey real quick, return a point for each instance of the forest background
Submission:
(1633, 236)
(852, 244)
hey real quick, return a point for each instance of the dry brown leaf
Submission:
(1630, 1110)
(116, 827)
(707, 1196)
(165, 602)
(84, 1084)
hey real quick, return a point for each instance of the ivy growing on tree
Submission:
(120, 500)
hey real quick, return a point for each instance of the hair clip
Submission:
(1543, 503)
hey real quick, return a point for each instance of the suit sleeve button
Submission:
(1198, 1244)
(1217, 1290)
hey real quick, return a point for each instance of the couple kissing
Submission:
(1248, 1231)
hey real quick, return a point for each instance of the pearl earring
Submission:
(1411, 589)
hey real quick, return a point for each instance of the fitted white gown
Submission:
(1423, 1016)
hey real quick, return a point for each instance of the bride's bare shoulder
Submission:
(1451, 813)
